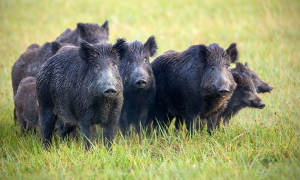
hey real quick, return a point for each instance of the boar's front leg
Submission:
(140, 120)
(124, 125)
(190, 119)
(110, 128)
(47, 120)
(213, 121)
(226, 121)
(85, 130)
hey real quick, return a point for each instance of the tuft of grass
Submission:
(259, 144)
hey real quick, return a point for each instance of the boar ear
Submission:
(237, 78)
(151, 46)
(87, 51)
(232, 53)
(55, 46)
(240, 67)
(246, 64)
(120, 47)
(203, 53)
(81, 29)
(33, 46)
(105, 26)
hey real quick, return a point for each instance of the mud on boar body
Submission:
(138, 82)
(195, 82)
(82, 87)
(89, 32)
(25, 102)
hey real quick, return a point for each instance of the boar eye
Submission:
(213, 67)
(145, 60)
(227, 67)
(96, 67)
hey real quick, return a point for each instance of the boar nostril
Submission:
(261, 105)
(270, 88)
(110, 92)
(223, 92)
(141, 83)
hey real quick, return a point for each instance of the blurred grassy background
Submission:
(259, 144)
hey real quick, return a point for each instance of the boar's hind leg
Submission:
(47, 120)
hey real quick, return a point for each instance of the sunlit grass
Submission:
(259, 144)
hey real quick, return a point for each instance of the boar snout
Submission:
(110, 92)
(223, 86)
(223, 91)
(261, 105)
(270, 88)
(141, 83)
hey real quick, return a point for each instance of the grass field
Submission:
(259, 144)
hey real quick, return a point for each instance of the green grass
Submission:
(259, 144)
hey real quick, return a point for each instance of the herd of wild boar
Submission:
(80, 80)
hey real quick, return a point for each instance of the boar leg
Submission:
(109, 131)
(22, 123)
(65, 130)
(200, 124)
(15, 116)
(226, 121)
(123, 121)
(140, 121)
(85, 129)
(158, 116)
(212, 123)
(47, 120)
(189, 121)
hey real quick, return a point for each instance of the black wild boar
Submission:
(195, 82)
(138, 83)
(89, 32)
(25, 102)
(82, 87)
(260, 85)
(245, 94)
(31, 61)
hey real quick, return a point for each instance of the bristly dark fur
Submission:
(89, 32)
(31, 61)
(135, 66)
(25, 102)
(245, 94)
(187, 83)
(72, 86)
(260, 85)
